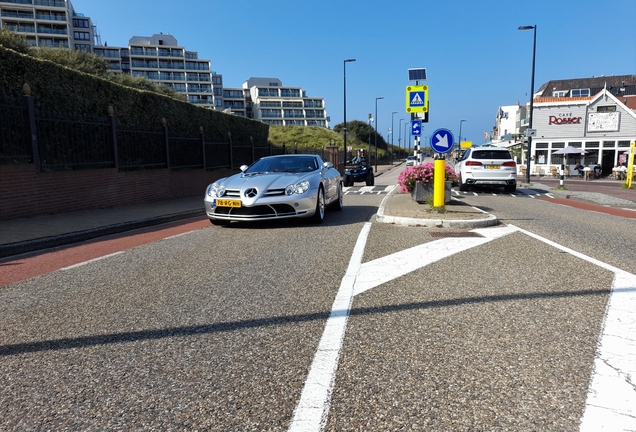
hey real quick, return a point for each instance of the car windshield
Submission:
(491, 154)
(284, 164)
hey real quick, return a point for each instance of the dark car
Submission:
(361, 171)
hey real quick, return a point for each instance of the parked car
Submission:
(276, 187)
(487, 166)
(360, 171)
(411, 161)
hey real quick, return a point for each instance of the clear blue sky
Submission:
(475, 57)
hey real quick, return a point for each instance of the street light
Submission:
(392, 114)
(376, 132)
(459, 141)
(369, 139)
(406, 125)
(345, 108)
(400, 136)
(534, 51)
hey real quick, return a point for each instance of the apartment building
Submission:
(50, 23)
(160, 58)
(275, 104)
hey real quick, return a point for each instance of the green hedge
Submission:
(58, 88)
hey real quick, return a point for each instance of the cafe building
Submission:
(601, 125)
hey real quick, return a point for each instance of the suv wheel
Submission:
(462, 186)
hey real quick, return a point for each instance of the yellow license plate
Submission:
(492, 166)
(228, 203)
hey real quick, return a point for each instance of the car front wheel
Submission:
(319, 215)
(339, 203)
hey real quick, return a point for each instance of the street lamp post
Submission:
(534, 51)
(376, 132)
(392, 114)
(369, 138)
(459, 140)
(406, 125)
(345, 109)
(400, 136)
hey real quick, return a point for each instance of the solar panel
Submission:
(417, 74)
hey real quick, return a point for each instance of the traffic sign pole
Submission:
(441, 142)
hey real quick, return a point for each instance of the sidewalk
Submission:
(32, 234)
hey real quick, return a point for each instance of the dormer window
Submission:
(560, 93)
(580, 92)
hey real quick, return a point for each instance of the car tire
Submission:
(347, 181)
(219, 222)
(319, 214)
(462, 186)
(370, 180)
(339, 203)
(510, 188)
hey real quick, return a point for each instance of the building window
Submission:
(81, 36)
(83, 47)
(580, 92)
(82, 23)
(289, 93)
(611, 108)
(264, 92)
(560, 93)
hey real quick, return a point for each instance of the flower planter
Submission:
(423, 192)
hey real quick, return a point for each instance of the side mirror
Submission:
(243, 168)
(328, 165)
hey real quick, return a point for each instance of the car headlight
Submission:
(298, 188)
(215, 190)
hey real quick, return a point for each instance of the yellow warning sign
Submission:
(416, 99)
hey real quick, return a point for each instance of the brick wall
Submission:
(26, 193)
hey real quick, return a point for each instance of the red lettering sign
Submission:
(564, 120)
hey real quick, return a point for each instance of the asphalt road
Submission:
(220, 328)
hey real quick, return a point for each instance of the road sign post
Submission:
(441, 142)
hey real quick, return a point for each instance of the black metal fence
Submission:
(55, 142)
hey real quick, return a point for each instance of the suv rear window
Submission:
(491, 154)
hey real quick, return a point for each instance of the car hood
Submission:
(264, 181)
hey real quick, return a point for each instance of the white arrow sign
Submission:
(442, 140)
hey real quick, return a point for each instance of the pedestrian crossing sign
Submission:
(416, 99)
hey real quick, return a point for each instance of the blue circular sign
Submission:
(442, 141)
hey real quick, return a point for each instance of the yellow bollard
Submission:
(439, 178)
(630, 166)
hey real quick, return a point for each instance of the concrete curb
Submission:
(12, 249)
(489, 220)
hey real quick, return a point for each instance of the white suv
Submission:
(487, 166)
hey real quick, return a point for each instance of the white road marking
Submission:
(312, 409)
(611, 396)
(385, 269)
(90, 261)
(611, 401)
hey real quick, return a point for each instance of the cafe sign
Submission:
(563, 119)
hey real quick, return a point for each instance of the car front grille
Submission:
(236, 193)
(257, 212)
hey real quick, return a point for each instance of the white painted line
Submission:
(611, 396)
(365, 189)
(177, 235)
(90, 261)
(313, 407)
(385, 269)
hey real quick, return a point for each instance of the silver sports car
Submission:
(276, 187)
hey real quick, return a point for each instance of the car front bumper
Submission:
(266, 208)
